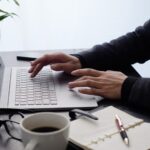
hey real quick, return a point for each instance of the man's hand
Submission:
(58, 62)
(107, 84)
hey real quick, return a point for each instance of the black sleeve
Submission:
(123, 51)
(136, 92)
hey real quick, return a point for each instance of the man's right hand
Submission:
(58, 61)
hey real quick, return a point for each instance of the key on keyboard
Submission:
(35, 91)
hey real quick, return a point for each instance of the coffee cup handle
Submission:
(31, 145)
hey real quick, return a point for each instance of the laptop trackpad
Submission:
(61, 82)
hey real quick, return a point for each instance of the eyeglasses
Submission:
(11, 126)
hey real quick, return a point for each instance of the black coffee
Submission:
(45, 129)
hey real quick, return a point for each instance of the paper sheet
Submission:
(85, 132)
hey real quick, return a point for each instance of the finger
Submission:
(87, 78)
(45, 59)
(36, 70)
(37, 61)
(91, 91)
(84, 83)
(31, 69)
(87, 72)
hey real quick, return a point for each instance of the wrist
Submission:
(82, 61)
(126, 88)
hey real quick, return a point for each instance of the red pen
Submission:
(122, 130)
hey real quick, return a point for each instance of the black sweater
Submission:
(126, 50)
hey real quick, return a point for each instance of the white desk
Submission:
(139, 136)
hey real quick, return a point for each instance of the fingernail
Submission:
(70, 89)
(32, 75)
(29, 71)
(70, 85)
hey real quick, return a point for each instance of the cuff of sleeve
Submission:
(126, 88)
(82, 60)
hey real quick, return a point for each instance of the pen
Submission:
(72, 114)
(122, 130)
(25, 58)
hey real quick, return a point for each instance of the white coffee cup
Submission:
(55, 140)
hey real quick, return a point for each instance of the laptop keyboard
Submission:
(35, 91)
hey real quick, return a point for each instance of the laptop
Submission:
(48, 90)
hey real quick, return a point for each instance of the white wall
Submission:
(60, 24)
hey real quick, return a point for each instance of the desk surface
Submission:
(139, 137)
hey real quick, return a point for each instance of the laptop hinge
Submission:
(5, 88)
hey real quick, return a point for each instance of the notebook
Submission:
(88, 133)
(48, 90)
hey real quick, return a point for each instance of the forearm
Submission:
(136, 92)
(125, 50)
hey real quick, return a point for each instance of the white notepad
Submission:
(86, 132)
